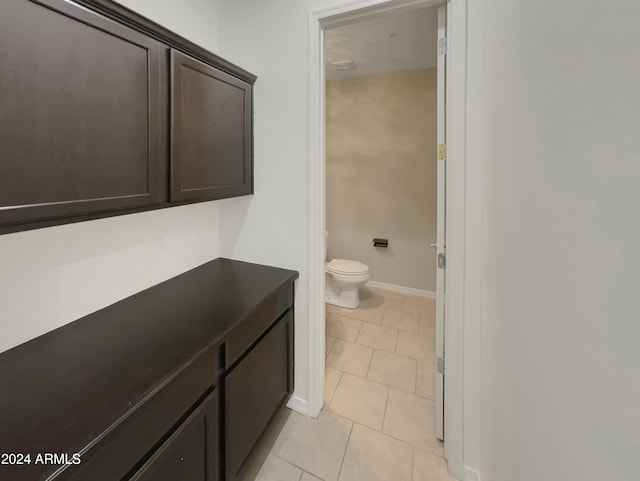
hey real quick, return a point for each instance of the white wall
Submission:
(195, 20)
(270, 40)
(52, 276)
(561, 383)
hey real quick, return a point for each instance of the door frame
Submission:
(441, 139)
(464, 235)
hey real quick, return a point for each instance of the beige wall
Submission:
(381, 174)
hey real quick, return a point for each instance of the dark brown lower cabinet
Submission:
(190, 453)
(254, 389)
(175, 383)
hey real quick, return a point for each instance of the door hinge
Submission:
(442, 261)
(440, 365)
(442, 151)
(442, 46)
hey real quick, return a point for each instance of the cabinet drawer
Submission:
(253, 391)
(111, 458)
(190, 453)
(256, 324)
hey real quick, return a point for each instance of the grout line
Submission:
(328, 403)
(346, 446)
(286, 461)
(395, 349)
(413, 461)
(384, 416)
(370, 361)
(359, 331)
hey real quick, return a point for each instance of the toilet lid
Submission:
(347, 267)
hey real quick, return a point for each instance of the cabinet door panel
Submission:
(80, 122)
(190, 452)
(253, 391)
(211, 154)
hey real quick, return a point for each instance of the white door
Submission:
(440, 223)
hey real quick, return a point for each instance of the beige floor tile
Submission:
(372, 456)
(393, 370)
(418, 304)
(412, 419)
(367, 313)
(426, 379)
(328, 344)
(406, 321)
(331, 380)
(392, 300)
(309, 477)
(350, 357)
(415, 346)
(315, 445)
(333, 309)
(426, 329)
(343, 327)
(277, 469)
(428, 316)
(428, 467)
(360, 400)
(378, 337)
(369, 298)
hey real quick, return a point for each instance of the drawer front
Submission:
(255, 325)
(111, 458)
(254, 390)
(190, 453)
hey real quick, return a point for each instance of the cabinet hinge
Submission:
(440, 365)
(442, 46)
(442, 151)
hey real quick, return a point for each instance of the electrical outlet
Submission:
(159, 242)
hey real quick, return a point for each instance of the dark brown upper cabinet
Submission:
(103, 112)
(82, 111)
(211, 115)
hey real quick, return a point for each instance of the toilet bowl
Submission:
(342, 280)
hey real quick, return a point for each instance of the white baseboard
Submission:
(471, 474)
(404, 290)
(299, 405)
(463, 473)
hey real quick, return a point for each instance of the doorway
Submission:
(385, 105)
(460, 442)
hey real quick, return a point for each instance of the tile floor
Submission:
(378, 420)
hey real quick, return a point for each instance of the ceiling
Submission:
(389, 43)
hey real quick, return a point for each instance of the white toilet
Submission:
(342, 279)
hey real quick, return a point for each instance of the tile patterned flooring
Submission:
(378, 420)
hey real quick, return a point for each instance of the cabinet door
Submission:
(254, 390)
(190, 453)
(81, 114)
(211, 137)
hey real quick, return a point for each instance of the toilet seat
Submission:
(346, 267)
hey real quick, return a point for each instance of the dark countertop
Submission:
(60, 391)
